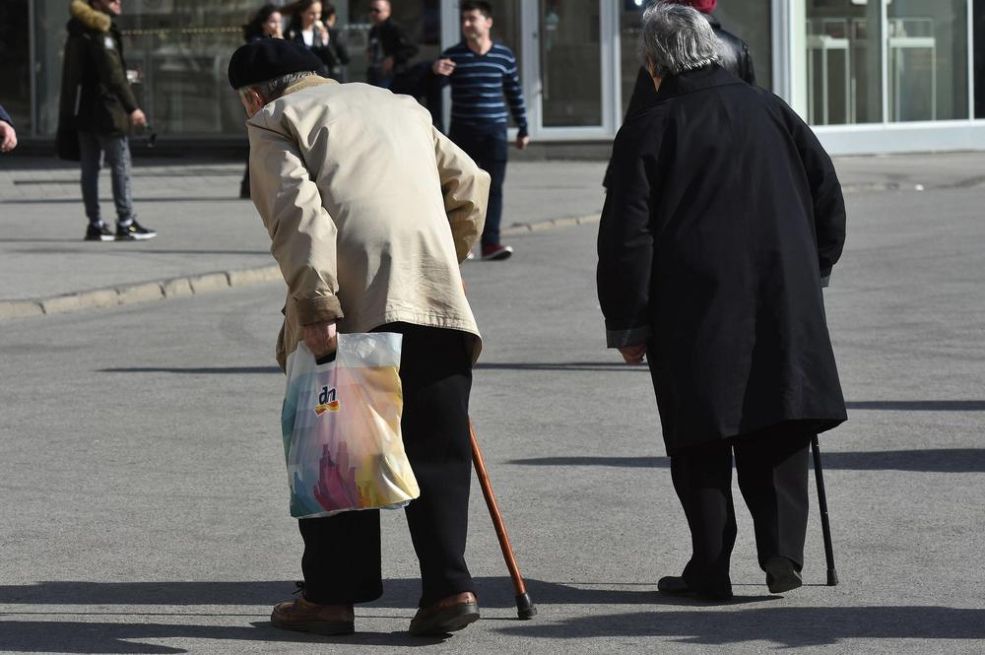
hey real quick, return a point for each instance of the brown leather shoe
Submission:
(447, 615)
(303, 616)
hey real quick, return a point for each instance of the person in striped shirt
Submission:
(484, 79)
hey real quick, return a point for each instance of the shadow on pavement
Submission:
(77, 637)
(494, 592)
(40, 636)
(561, 366)
(920, 405)
(219, 370)
(944, 460)
(787, 626)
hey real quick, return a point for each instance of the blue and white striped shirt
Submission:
(479, 84)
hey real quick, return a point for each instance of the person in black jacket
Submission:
(98, 104)
(336, 43)
(734, 52)
(307, 30)
(8, 136)
(389, 48)
(722, 222)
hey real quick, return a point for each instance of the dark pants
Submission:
(772, 470)
(93, 147)
(341, 562)
(487, 146)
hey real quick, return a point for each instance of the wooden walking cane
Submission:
(822, 504)
(525, 608)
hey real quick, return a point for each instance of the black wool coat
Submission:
(723, 215)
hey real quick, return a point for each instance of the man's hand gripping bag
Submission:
(341, 428)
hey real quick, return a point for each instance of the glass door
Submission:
(570, 63)
(576, 70)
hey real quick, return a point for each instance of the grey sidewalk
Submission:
(210, 240)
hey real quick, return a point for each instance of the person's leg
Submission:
(702, 478)
(90, 154)
(341, 561)
(492, 159)
(117, 150)
(772, 470)
(244, 185)
(436, 374)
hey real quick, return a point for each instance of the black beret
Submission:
(266, 59)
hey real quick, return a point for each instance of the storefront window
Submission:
(570, 63)
(979, 39)
(844, 62)
(180, 50)
(928, 60)
(15, 74)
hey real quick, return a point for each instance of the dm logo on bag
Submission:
(327, 401)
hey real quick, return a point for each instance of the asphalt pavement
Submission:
(145, 501)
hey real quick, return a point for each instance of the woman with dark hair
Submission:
(306, 29)
(265, 24)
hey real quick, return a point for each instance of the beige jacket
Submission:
(370, 210)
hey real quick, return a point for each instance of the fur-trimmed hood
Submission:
(89, 17)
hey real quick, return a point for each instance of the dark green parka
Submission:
(96, 96)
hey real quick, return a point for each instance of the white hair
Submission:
(273, 89)
(675, 38)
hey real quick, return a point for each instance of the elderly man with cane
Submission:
(723, 220)
(370, 211)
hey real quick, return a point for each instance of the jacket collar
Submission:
(307, 83)
(696, 80)
(89, 17)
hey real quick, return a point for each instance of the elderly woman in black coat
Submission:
(722, 221)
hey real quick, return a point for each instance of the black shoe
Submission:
(99, 233)
(781, 575)
(673, 585)
(134, 232)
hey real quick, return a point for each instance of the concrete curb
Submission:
(182, 287)
(526, 228)
(128, 294)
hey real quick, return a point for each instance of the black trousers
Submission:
(341, 562)
(487, 146)
(772, 470)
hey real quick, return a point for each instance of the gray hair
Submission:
(675, 38)
(273, 89)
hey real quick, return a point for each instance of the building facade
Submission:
(870, 75)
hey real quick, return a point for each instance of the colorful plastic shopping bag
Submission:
(341, 426)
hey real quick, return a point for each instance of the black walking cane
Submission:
(822, 503)
(525, 608)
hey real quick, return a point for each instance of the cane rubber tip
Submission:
(832, 578)
(525, 608)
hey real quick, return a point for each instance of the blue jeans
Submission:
(487, 146)
(92, 147)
